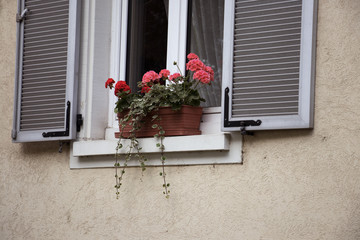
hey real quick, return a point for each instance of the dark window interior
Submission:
(147, 38)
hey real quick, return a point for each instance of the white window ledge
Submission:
(213, 142)
(185, 150)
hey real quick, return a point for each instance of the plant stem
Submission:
(177, 65)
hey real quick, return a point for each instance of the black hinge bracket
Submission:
(67, 126)
(20, 17)
(79, 122)
(247, 123)
(243, 123)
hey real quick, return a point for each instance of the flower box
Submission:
(185, 121)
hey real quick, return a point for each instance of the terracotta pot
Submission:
(186, 121)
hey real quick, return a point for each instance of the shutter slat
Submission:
(41, 106)
(262, 3)
(238, 66)
(43, 89)
(274, 93)
(47, 73)
(266, 70)
(48, 42)
(261, 38)
(42, 79)
(272, 20)
(285, 58)
(258, 99)
(242, 33)
(266, 87)
(46, 64)
(239, 78)
(265, 49)
(266, 82)
(44, 32)
(39, 37)
(49, 116)
(270, 15)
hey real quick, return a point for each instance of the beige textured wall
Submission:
(302, 184)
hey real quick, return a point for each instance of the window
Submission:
(212, 147)
(147, 38)
(267, 49)
(205, 38)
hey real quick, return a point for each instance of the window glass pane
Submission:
(147, 38)
(205, 39)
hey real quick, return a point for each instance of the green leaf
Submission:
(154, 126)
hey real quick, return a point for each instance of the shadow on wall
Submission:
(51, 147)
(282, 135)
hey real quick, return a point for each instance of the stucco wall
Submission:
(299, 184)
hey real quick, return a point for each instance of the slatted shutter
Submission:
(269, 49)
(46, 70)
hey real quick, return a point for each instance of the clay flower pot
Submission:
(186, 121)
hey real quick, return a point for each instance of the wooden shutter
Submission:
(269, 49)
(46, 70)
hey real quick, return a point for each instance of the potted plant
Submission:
(167, 105)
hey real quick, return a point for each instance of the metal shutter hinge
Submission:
(247, 123)
(20, 17)
(242, 124)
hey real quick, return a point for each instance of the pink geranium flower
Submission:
(164, 73)
(195, 65)
(192, 56)
(174, 76)
(150, 76)
(210, 71)
(202, 76)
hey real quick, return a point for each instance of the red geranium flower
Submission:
(120, 87)
(150, 76)
(195, 65)
(174, 76)
(202, 76)
(192, 56)
(109, 83)
(164, 73)
(145, 89)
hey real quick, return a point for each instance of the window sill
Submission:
(184, 150)
(213, 142)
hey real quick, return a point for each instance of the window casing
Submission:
(102, 58)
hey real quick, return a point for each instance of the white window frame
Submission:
(95, 145)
